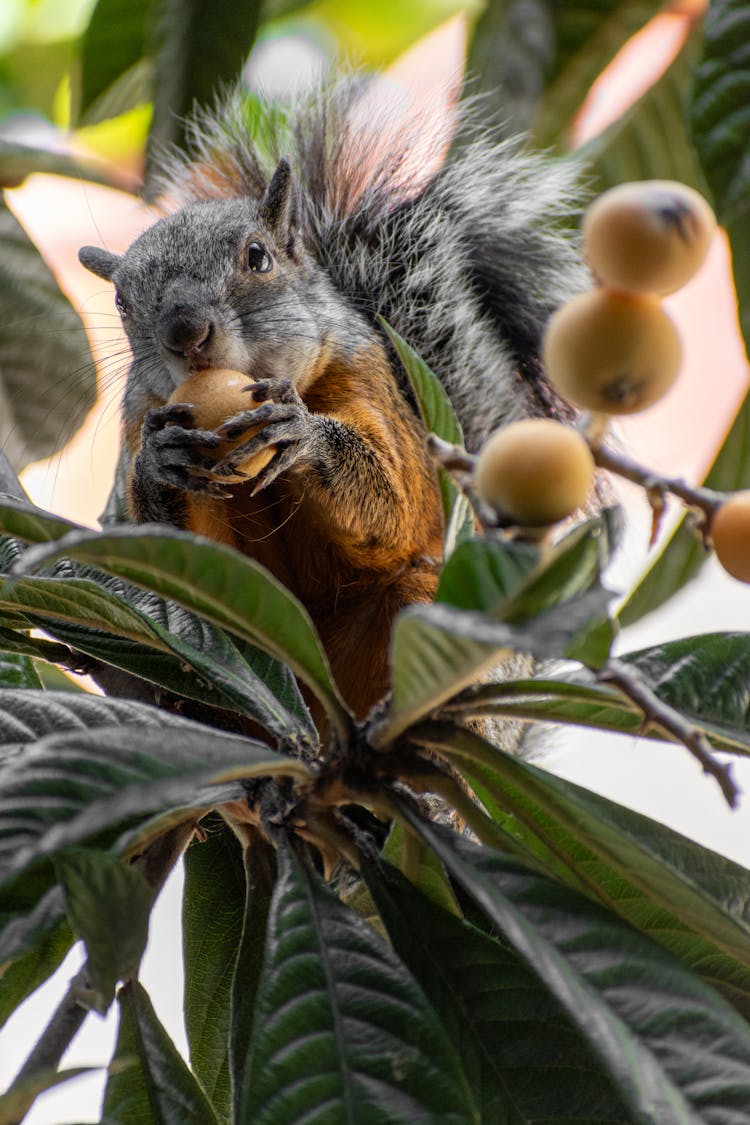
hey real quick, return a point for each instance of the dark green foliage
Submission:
(355, 951)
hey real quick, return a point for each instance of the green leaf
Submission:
(651, 140)
(42, 345)
(682, 554)
(573, 697)
(439, 418)
(260, 878)
(24, 520)
(524, 1060)
(436, 409)
(687, 897)
(114, 41)
(153, 1083)
(70, 788)
(720, 120)
(342, 1031)
(212, 916)
(185, 655)
(31, 949)
(215, 582)
(485, 573)
(570, 567)
(198, 47)
(738, 231)
(419, 865)
(513, 582)
(720, 112)
(436, 651)
(705, 677)
(675, 1051)
(586, 37)
(17, 671)
(26, 717)
(21, 643)
(109, 904)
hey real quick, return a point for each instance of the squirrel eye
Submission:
(258, 258)
(121, 304)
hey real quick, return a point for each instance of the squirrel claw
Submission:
(286, 454)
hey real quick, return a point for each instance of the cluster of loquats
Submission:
(614, 350)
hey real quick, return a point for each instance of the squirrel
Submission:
(281, 254)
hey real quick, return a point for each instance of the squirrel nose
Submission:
(185, 331)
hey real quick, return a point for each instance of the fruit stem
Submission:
(705, 500)
(657, 713)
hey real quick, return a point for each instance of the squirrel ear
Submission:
(277, 205)
(99, 261)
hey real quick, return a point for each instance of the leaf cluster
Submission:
(389, 920)
(396, 919)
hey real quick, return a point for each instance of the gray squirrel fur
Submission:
(467, 266)
(276, 261)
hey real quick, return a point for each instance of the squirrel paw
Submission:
(173, 453)
(287, 425)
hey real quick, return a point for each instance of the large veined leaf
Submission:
(108, 905)
(68, 788)
(690, 898)
(420, 866)
(342, 1031)
(27, 717)
(675, 1051)
(437, 650)
(212, 917)
(484, 573)
(204, 663)
(514, 581)
(42, 345)
(152, 1082)
(575, 698)
(198, 47)
(524, 1060)
(215, 582)
(706, 678)
(24, 520)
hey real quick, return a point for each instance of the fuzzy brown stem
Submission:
(704, 499)
(659, 714)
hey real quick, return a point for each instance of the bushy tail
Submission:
(466, 257)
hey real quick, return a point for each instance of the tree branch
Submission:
(659, 714)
